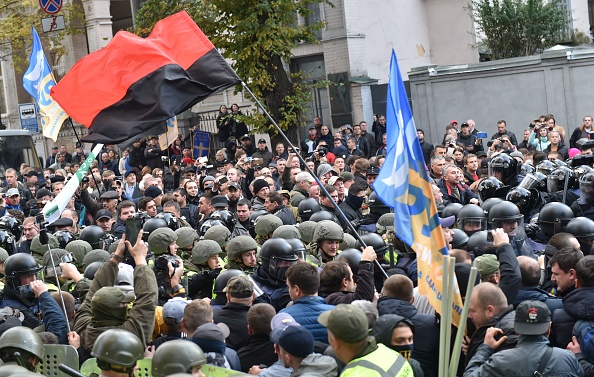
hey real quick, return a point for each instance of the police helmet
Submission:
(298, 247)
(385, 223)
(477, 240)
(374, 240)
(218, 233)
(23, 339)
(286, 232)
(322, 215)
(307, 229)
(526, 200)
(79, 250)
(459, 238)
(267, 224)
(554, 217)
(587, 188)
(277, 256)
(223, 278)
(93, 234)
(327, 230)
(352, 257)
(160, 239)
(582, 228)
(545, 167)
(176, 356)
(210, 223)
(239, 245)
(556, 180)
(308, 207)
(489, 203)
(7, 241)
(151, 225)
(226, 217)
(506, 167)
(18, 264)
(487, 187)
(376, 205)
(91, 269)
(186, 237)
(504, 211)
(471, 218)
(451, 210)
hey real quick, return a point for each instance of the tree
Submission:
(15, 30)
(513, 28)
(257, 37)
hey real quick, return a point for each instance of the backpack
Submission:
(584, 332)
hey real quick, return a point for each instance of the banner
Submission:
(201, 144)
(134, 83)
(168, 137)
(403, 184)
(54, 209)
(38, 82)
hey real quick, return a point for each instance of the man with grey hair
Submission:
(453, 188)
(437, 164)
(300, 191)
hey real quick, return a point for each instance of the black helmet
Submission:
(91, 270)
(64, 238)
(93, 234)
(298, 248)
(254, 219)
(322, 215)
(471, 218)
(207, 225)
(554, 217)
(477, 240)
(504, 211)
(223, 278)
(17, 264)
(526, 200)
(352, 257)
(587, 188)
(376, 205)
(545, 167)
(451, 210)
(558, 163)
(152, 224)
(526, 168)
(504, 167)
(556, 180)
(579, 171)
(489, 203)
(277, 256)
(459, 239)
(487, 187)
(226, 217)
(581, 227)
(375, 240)
(12, 224)
(170, 219)
(308, 207)
(7, 241)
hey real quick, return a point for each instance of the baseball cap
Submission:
(31, 173)
(304, 176)
(279, 323)
(311, 128)
(54, 148)
(262, 141)
(488, 264)
(285, 193)
(373, 170)
(12, 192)
(112, 297)
(481, 154)
(211, 331)
(174, 308)
(189, 169)
(453, 121)
(347, 176)
(465, 125)
(40, 193)
(239, 287)
(334, 179)
(246, 136)
(447, 222)
(234, 185)
(297, 341)
(128, 173)
(103, 213)
(153, 191)
(219, 201)
(517, 154)
(532, 318)
(347, 322)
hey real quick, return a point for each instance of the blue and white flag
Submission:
(403, 184)
(38, 81)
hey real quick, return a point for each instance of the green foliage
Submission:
(515, 28)
(257, 37)
(15, 30)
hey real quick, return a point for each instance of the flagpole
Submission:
(322, 188)
(83, 149)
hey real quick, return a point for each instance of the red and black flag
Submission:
(135, 84)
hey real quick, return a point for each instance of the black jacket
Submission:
(234, 316)
(136, 157)
(426, 332)
(365, 289)
(153, 157)
(509, 270)
(577, 304)
(504, 320)
(561, 148)
(510, 135)
(260, 350)
(285, 214)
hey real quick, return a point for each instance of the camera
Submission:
(162, 261)
(322, 151)
(164, 158)
(84, 179)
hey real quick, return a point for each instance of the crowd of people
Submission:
(247, 261)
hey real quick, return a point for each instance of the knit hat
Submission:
(297, 341)
(259, 184)
(152, 191)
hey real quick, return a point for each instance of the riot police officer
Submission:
(325, 242)
(241, 254)
(117, 351)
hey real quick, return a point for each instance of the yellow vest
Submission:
(383, 362)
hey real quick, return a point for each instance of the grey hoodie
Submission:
(316, 365)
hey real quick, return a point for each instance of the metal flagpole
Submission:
(322, 188)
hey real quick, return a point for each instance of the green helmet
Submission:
(56, 254)
(239, 245)
(40, 249)
(118, 347)
(79, 249)
(177, 356)
(10, 370)
(307, 229)
(114, 246)
(3, 255)
(385, 223)
(97, 255)
(204, 250)
(24, 339)
(218, 233)
(267, 224)
(186, 237)
(286, 232)
(160, 239)
(328, 230)
(348, 242)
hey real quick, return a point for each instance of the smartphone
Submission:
(133, 227)
(481, 135)
(489, 236)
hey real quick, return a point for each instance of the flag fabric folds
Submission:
(54, 209)
(169, 136)
(134, 83)
(403, 184)
(38, 82)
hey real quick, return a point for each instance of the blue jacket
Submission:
(577, 304)
(306, 310)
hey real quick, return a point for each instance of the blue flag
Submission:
(201, 144)
(403, 184)
(38, 81)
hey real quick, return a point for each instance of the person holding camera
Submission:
(153, 154)
(539, 137)
(168, 267)
(503, 132)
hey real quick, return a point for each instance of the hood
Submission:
(389, 305)
(210, 345)
(384, 326)
(317, 365)
(580, 303)
(532, 294)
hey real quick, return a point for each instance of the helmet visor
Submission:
(278, 267)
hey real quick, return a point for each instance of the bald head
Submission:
(530, 271)
(399, 287)
(488, 294)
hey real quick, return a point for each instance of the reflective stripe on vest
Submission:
(400, 367)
